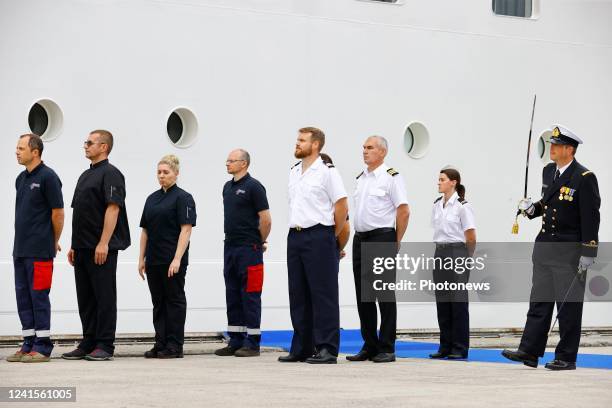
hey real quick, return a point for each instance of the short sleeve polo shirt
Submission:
(242, 202)
(99, 186)
(163, 214)
(38, 192)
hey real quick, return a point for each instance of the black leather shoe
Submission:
(384, 358)
(363, 355)
(290, 358)
(226, 351)
(170, 353)
(456, 356)
(439, 354)
(322, 357)
(151, 353)
(522, 357)
(558, 365)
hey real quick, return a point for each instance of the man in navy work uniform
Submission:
(381, 216)
(247, 224)
(99, 231)
(317, 213)
(39, 219)
(565, 248)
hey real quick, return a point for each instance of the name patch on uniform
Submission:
(240, 191)
(34, 185)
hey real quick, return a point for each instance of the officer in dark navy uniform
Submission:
(99, 230)
(565, 248)
(317, 214)
(39, 219)
(247, 224)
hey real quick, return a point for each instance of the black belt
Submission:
(377, 231)
(301, 229)
(443, 245)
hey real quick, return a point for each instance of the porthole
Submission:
(46, 119)
(182, 127)
(544, 146)
(416, 140)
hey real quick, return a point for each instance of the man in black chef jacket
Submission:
(99, 231)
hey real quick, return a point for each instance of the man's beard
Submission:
(300, 154)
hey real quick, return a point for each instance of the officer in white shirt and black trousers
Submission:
(452, 219)
(381, 216)
(317, 213)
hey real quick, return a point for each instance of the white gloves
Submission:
(526, 206)
(585, 262)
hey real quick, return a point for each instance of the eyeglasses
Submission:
(233, 161)
(88, 143)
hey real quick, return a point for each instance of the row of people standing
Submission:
(318, 233)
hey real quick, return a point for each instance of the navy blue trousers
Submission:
(453, 306)
(32, 287)
(243, 273)
(312, 263)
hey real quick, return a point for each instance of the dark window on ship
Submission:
(38, 119)
(514, 8)
(174, 127)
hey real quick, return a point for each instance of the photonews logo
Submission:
(411, 264)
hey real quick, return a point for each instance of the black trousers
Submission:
(452, 306)
(96, 287)
(366, 300)
(312, 263)
(551, 284)
(169, 306)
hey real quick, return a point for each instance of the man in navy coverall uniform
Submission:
(39, 219)
(247, 224)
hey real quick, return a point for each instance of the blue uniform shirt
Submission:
(242, 201)
(163, 214)
(38, 192)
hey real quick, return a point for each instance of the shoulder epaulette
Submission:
(392, 172)
(463, 201)
(330, 165)
(359, 175)
(587, 172)
(296, 164)
(437, 199)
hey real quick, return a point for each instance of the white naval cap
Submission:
(563, 136)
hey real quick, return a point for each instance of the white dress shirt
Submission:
(377, 196)
(313, 194)
(562, 169)
(451, 221)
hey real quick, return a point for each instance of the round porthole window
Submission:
(544, 146)
(416, 140)
(46, 119)
(182, 127)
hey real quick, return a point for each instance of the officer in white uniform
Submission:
(317, 213)
(381, 216)
(452, 219)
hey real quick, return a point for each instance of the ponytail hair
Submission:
(453, 174)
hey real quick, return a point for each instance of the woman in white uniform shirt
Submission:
(452, 219)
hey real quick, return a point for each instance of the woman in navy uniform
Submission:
(167, 218)
(452, 219)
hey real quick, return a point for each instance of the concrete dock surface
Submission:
(202, 379)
